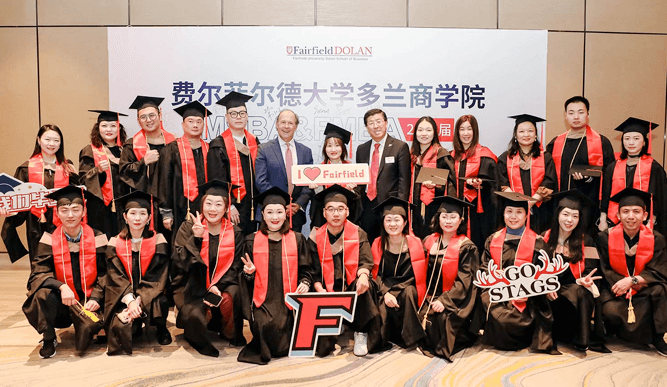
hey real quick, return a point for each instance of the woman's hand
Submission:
(197, 227)
(437, 306)
(390, 300)
(248, 266)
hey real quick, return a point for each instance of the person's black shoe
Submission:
(137, 329)
(580, 348)
(163, 335)
(48, 348)
(238, 342)
(660, 345)
(601, 348)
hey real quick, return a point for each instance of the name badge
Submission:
(389, 160)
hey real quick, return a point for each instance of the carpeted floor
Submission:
(179, 365)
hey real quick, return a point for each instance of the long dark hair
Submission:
(343, 153)
(514, 146)
(624, 152)
(574, 241)
(147, 233)
(264, 228)
(383, 233)
(459, 149)
(415, 148)
(96, 139)
(60, 153)
(435, 225)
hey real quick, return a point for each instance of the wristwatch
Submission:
(634, 280)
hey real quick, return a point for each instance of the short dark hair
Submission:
(577, 99)
(384, 236)
(435, 224)
(373, 112)
(343, 153)
(264, 228)
(624, 152)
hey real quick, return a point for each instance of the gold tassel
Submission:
(113, 205)
(631, 312)
(424, 321)
(423, 210)
(42, 218)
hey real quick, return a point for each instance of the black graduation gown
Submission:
(447, 332)
(657, 186)
(575, 306)
(399, 325)
(271, 324)
(101, 217)
(150, 287)
(421, 225)
(192, 315)
(366, 315)
(506, 327)
(44, 309)
(481, 224)
(34, 228)
(540, 217)
(218, 168)
(650, 303)
(592, 189)
(168, 184)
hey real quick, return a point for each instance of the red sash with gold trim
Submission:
(226, 251)
(62, 260)
(235, 170)
(616, 248)
(290, 270)
(618, 183)
(189, 169)
(146, 254)
(350, 253)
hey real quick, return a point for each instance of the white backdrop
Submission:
(334, 74)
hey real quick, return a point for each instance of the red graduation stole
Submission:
(524, 253)
(140, 145)
(417, 259)
(189, 169)
(616, 246)
(36, 175)
(62, 260)
(472, 168)
(226, 250)
(640, 182)
(290, 270)
(593, 142)
(575, 268)
(235, 170)
(146, 254)
(350, 253)
(107, 188)
(450, 261)
(429, 160)
(536, 174)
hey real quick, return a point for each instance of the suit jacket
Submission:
(393, 177)
(270, 170)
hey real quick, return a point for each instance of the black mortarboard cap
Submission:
(234, 99)
(633, 124)
(107, 115)
(526, 118)
(632, 197)
(336, 131)
(216, 187)
(393, 205)
(136, 199)
(72, 194)
(450, 204)
(336, 193)
(573, 199)
(273, 195)
(513, 199)
(142, 102)
(194, 108)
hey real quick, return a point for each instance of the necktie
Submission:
(375, 166)
(288, 167)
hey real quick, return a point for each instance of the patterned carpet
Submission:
(179, 365)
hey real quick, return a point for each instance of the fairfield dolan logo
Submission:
(330, 51)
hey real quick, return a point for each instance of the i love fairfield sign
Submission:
(322, 174)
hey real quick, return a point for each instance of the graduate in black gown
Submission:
(99, 168)
(399, 269)
(342, 262)
(231, 157)
(138, 159)
(426, 152)
(208, 250)
(137, 270)
(475, 171)
(634, 266)
(47, 166)
(277, 262)
(577, 300)
(67, 275)
(450, 294)
(520, 323)
(182, 168)
(526, 169)
(635, 168)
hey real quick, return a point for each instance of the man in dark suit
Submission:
(273, 166)
(389, 159)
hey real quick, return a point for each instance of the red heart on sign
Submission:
(311, 172)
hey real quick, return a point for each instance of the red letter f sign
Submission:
(318, 314)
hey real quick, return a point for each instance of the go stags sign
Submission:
(318, 314)
(17, 196)
(330, 174)
(523, 281)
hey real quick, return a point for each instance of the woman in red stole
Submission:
(98, 171)
(47, 166)
(208, 251)
(527, 169)
(426, 152)
(450, 294)
(137, 274)
(576, 301)
(277, 262)
(475, 178)
(399, 269)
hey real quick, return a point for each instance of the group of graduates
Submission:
(215, 229)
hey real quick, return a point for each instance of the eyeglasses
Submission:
(149, 117)
(333, 210)
(242, 114)
(452, 216)
(375, 123)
